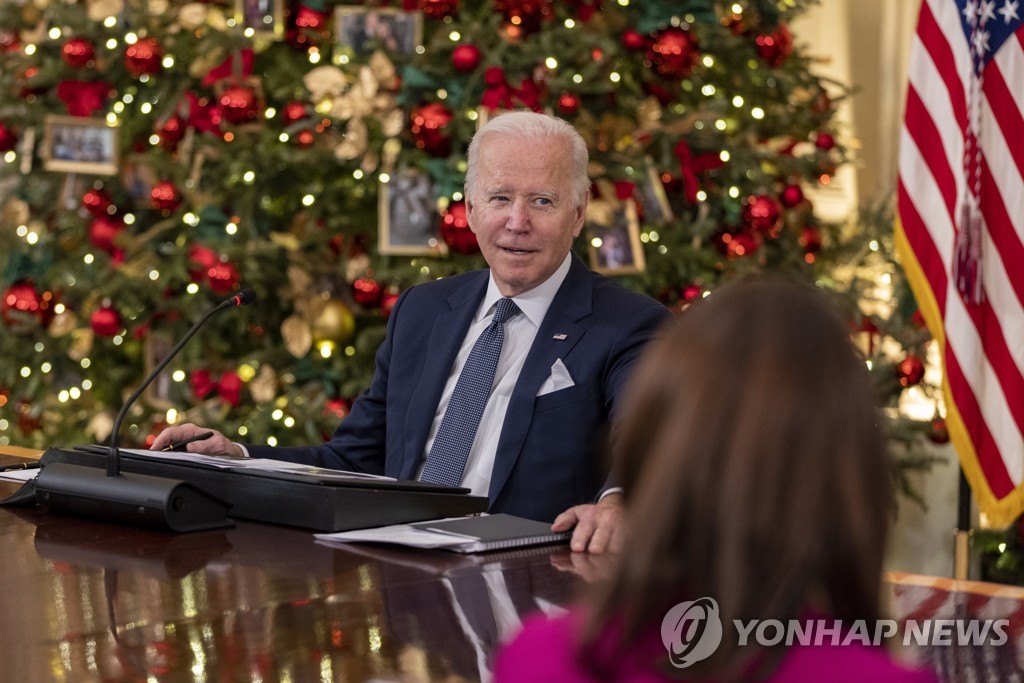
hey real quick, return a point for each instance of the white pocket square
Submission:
(558, 379)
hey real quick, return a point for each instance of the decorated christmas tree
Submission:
(161, 155)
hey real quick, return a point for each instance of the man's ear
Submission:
(470, 206)
(580, 218)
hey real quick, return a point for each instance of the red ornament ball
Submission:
(691, 292)
(910, 371)
(523, 17)
(306, 27)
(293, 111)
(466, 58)
(239, 104)
(455, 230)
(634, 40)
(224, 277)
(439, 9)
(674, 53)
(568, 103)
(775, 47)
(144, 57)
(763, 215)
(388, 301)
(939, 432)
(165, 196)
(23, 305)
(97, 202)
(736, 243)
(810, 239)
(78, 53)
(27, 421)
(824, 141)
(742, 244)
(305, 138)
(366, 292)
(9, 41)
(201, 260)
(105, 321)
(103, 232)
(791, 196)
(310, 19)
(171, 132)
(337, 408)
(428, 126)
(7, 138)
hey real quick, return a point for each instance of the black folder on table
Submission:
(321, 502)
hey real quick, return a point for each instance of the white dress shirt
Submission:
(520, 331)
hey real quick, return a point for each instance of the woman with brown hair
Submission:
(755, 474)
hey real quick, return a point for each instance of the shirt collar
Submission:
(534, 303)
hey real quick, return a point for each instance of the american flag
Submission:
(960, 229)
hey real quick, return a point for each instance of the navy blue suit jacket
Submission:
(551, 449)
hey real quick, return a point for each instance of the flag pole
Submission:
(962, 543)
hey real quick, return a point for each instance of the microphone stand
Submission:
(113, 453)
(130, 497)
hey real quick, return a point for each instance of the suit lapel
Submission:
(571, 303)
(446, 337)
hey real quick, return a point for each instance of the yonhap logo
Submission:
(691, 631)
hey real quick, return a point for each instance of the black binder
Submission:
(306, 500)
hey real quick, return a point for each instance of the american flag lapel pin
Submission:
(560, 336)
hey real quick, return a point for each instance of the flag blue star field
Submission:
(960, 229)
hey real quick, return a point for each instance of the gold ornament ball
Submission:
(333, 324)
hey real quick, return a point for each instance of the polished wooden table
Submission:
(93, 601)
(90, 601)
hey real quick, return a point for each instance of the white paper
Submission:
(20, 475)
(263, 464)
(402, 534)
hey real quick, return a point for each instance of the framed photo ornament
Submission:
(408, 223)
(79, 144)
(614, 244)
(364, 29)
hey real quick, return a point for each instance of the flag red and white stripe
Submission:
(960, 229)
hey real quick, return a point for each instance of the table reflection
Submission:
(91, 601)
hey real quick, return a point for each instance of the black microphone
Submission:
(132, 497)
(246, 296)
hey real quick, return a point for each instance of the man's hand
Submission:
(598, 527)
(218, 444)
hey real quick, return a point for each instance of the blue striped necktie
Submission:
(461, 419)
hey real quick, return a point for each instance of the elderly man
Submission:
(502, 380)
